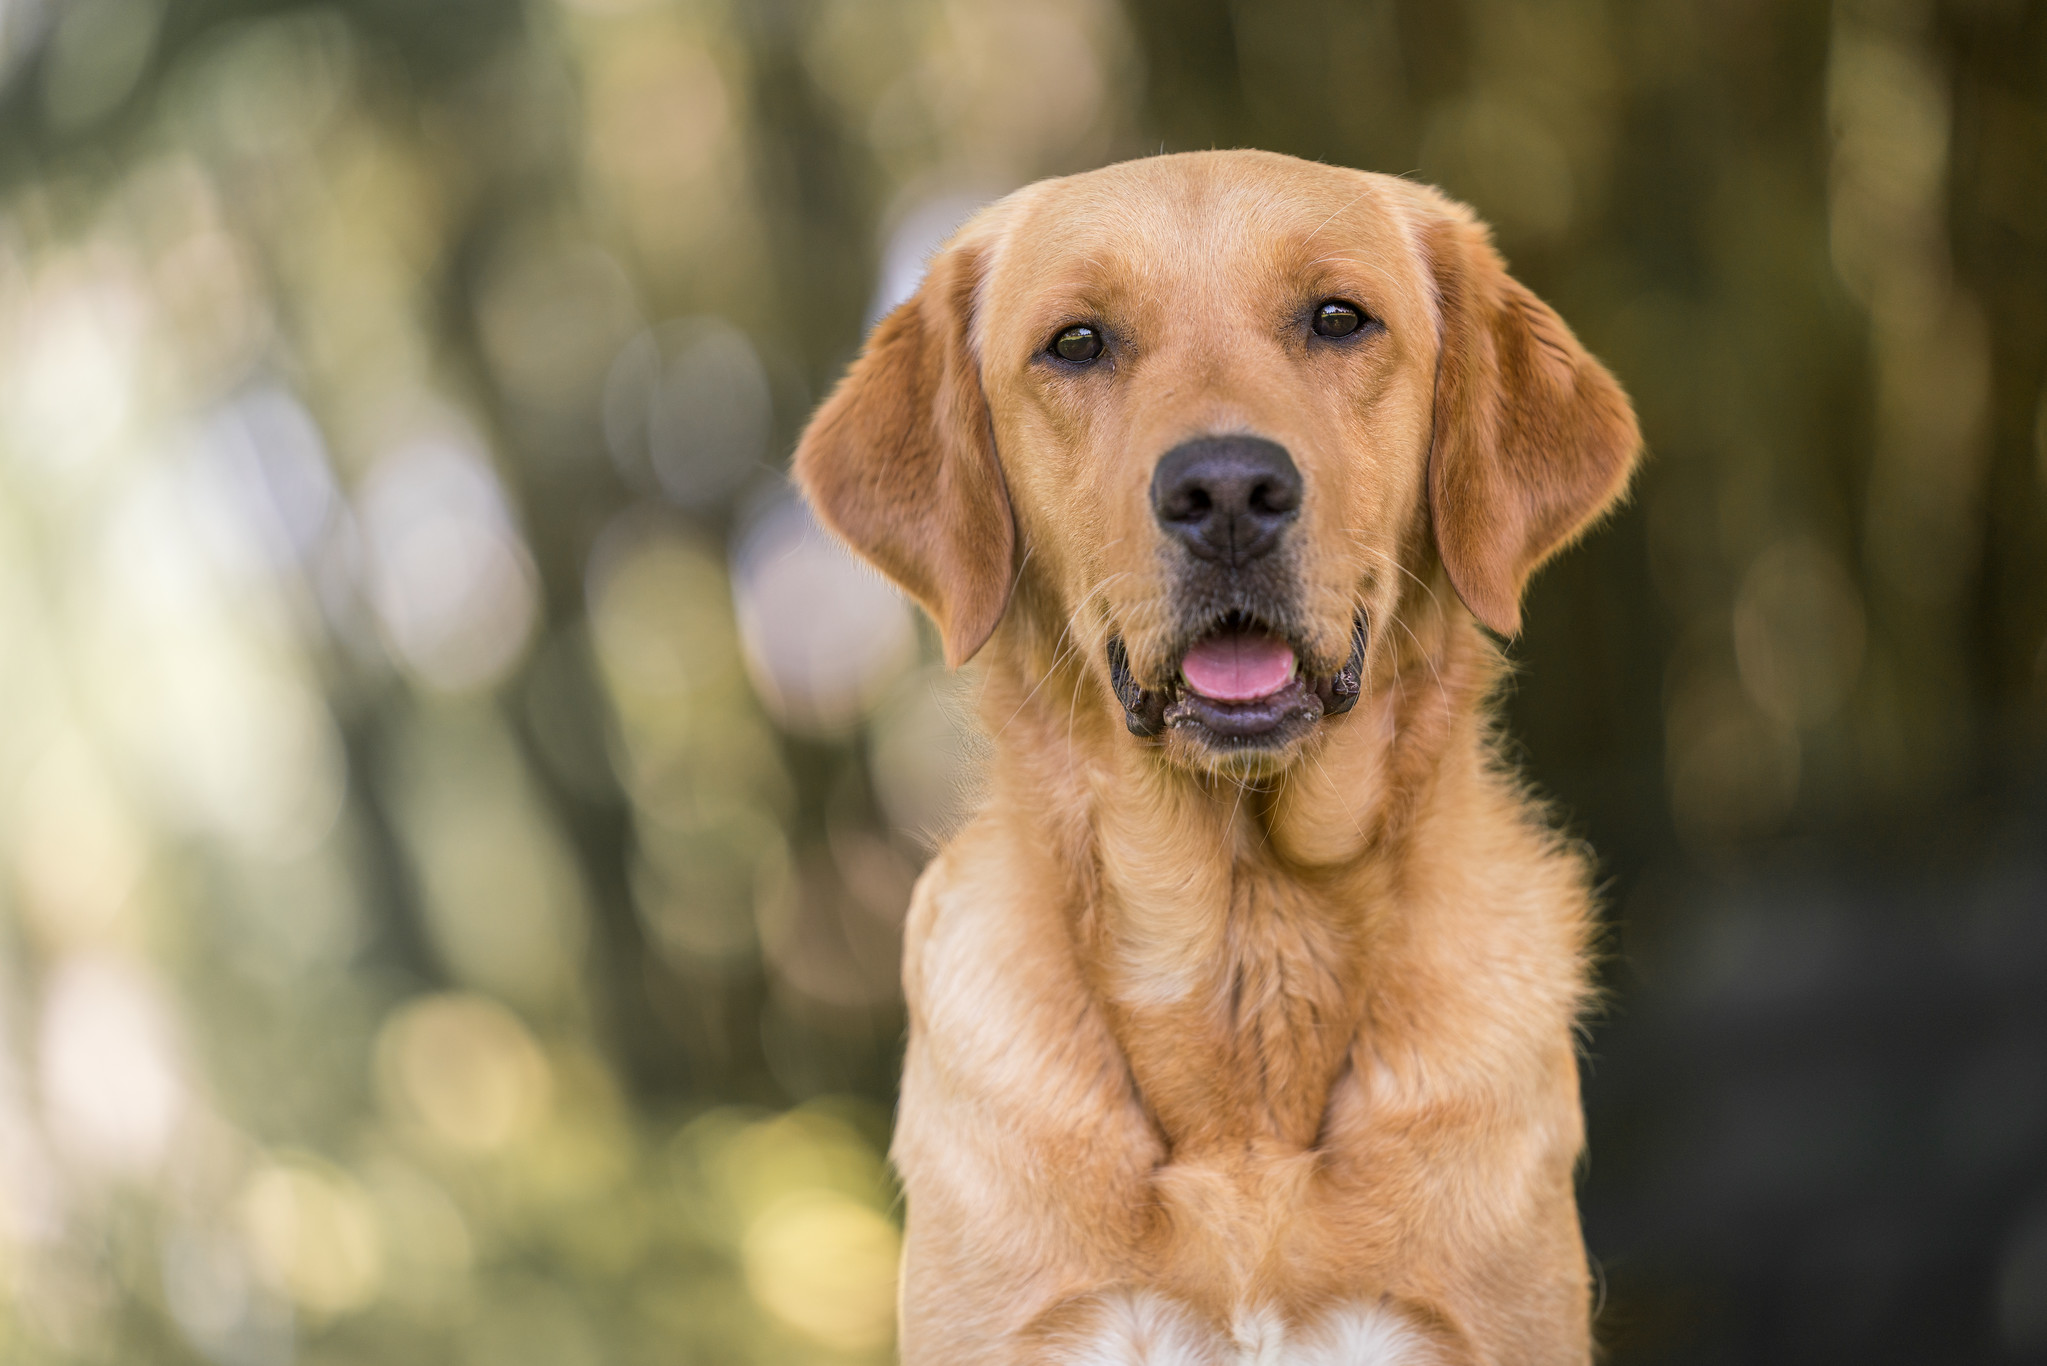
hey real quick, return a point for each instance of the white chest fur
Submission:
(1142, 1328)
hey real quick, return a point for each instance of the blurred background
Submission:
(456, 810)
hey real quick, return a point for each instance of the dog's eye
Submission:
(1078, 344)
(1335, 318)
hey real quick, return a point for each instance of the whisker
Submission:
(1365, 688)
(1057, 659)
(1073, 698)
(1062, 648)
(1332, 217)
(1072, 714)
(1337, 788)
(1425, 586)
(1427, 658)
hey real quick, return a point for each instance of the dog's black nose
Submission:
(1226, 497)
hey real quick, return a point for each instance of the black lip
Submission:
(1238, 722)
(1274, 719)
(1144, 710)
(1339, 692)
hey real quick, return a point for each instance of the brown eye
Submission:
(1335, 318)
(1078, 344)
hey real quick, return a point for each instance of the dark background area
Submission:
(443, 918)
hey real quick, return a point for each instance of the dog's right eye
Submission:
(1336, 318)
(1078, 344)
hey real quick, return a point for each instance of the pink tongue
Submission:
(1238, 667)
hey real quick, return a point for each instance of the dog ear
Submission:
(900, 461)
(1533, 438)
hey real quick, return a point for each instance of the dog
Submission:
(1242, 1013)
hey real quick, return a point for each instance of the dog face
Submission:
(1225, 413)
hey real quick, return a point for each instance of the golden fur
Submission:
(1226, 1055)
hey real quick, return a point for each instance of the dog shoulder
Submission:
(966, 905)
(990, 969)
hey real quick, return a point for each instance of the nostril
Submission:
(1273, 499)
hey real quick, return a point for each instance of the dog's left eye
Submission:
(1078, 344)
(1335, 318)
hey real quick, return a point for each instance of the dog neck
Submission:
(1225, 929)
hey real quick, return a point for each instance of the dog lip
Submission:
(1253, 719)
(1339, 691)
(1143, 708)
(1301, 701)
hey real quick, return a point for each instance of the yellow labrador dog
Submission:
(1241, 1014)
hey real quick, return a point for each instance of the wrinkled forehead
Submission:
(1217, 236)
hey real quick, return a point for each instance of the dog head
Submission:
(1225, 414)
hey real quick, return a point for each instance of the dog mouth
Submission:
(1240, 684)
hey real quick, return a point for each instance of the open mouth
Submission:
(1239, 684)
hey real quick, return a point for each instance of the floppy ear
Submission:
(900, 461)
(1533, 438)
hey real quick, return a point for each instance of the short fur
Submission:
(1226, 1056)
